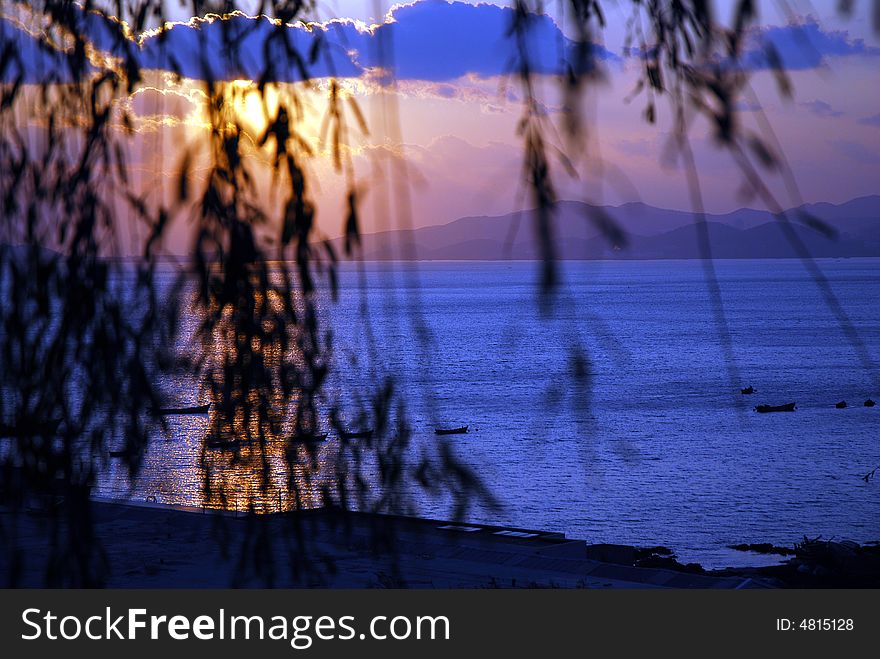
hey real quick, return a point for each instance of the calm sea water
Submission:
(661, 448)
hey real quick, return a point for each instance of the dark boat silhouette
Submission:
(451, 431)
(747, 391)
(869, 403)
(763, 409)
(356, 434)
(222, 443)
(841, 405)
(226, 440)
(308, 438)
(193, 409)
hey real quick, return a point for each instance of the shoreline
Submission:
(150, 545)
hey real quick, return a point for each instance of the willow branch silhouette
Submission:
(87, 338)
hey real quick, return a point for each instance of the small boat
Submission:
(869, 403)
(308, 438)
(763, 409)
(841, 405)
(451, 431)
(222, 443)
(192, 410)
(357, 434)
(748, 391)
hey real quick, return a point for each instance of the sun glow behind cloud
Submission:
(457, 110)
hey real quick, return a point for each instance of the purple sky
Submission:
(458, 112)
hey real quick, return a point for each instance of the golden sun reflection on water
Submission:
(242, 455)
(269, 476)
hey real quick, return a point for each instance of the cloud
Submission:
(821, 109)
(453, 176)
(166, 103)
(857, 151)
(436, 40)
(469, 89)
(871, 121)
(276, 52)
(32, 57)
(429, 40)
(803, 45)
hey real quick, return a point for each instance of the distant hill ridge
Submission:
(649, 232)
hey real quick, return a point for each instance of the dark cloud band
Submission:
(431, 40)
(803, 45)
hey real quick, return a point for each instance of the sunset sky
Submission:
(458, 109)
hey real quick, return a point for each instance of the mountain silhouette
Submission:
(645, 232)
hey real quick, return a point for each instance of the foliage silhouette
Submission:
(87, 336)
